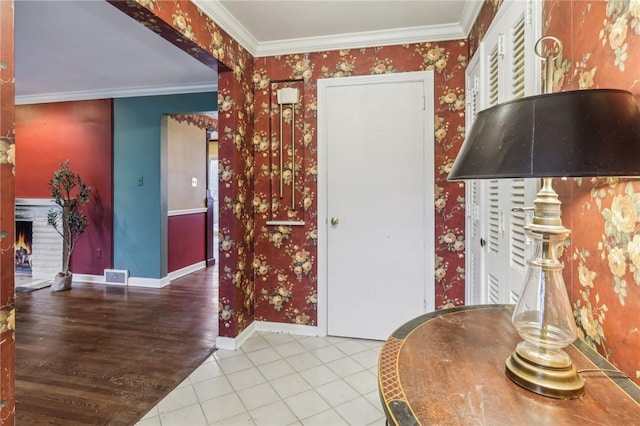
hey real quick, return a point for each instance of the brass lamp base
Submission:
(556, 382)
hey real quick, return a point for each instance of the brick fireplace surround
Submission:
(46, 244)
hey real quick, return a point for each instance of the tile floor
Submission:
(279, 379)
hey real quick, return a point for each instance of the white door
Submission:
(474, 225)
(508, 71)
(377, 207)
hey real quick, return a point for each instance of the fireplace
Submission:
(42, 251)
(22, 247)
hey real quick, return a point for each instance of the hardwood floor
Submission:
(105, 355)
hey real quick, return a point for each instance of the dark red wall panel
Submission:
(186, 240)
(81, 132)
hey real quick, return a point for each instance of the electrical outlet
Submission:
(98, 253)
(140, 181)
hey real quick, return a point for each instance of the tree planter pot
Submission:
(62, 282)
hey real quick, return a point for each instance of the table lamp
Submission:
(581, 133)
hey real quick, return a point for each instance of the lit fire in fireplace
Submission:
(23, 244)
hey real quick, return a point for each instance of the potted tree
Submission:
(69, 192)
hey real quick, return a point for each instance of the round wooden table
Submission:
(447, 368)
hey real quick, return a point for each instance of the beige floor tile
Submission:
(306, 404)
(222, 407)
(277, 379)
(277, 413)
(191, 415)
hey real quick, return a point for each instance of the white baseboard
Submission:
(233, 343)
(149, 282)
(280, 327)
(140, 281)
(186, 270)
(86, 278)
(133, 281)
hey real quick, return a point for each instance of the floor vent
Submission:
(116, 276)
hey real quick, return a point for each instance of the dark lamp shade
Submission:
(577, 133)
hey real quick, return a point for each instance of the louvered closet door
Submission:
(521, 192)
(492, 207)
(495, 247)
(509, 69)
(475, 233)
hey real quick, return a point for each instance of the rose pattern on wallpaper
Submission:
(602, 265)
(601, 50)
(280, 294)
(257, 279)
(201, 121)
(286, 266)
(621, 17)
(249, 144)
(184, 25)
(617, 253)
(589, 316)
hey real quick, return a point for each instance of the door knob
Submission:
(335, 221)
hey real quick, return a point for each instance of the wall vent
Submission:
(116, 276)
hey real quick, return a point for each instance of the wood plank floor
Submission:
(105, 355)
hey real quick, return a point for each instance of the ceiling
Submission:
(92, 50)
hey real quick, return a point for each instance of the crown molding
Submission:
(229, 23)
(362, 40)
(116, 93)
(235, 29)
(469, 15)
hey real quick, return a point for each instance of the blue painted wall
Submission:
(139, 179)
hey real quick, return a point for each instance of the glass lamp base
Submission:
(560, 382)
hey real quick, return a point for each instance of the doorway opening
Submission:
(192, 176)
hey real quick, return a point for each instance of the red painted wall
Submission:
(186, 240)
(46, 135)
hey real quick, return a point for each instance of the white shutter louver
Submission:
(494, 216)
(494, 289)
(474, 188)
(518, 60)
(493, 77)
(518, 221)
(513, 297)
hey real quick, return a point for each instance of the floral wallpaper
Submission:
(7, 195)
(286, 256)
(601, 49)
(601, 42)
(201, 121)
(183, 24)
(269, 272)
